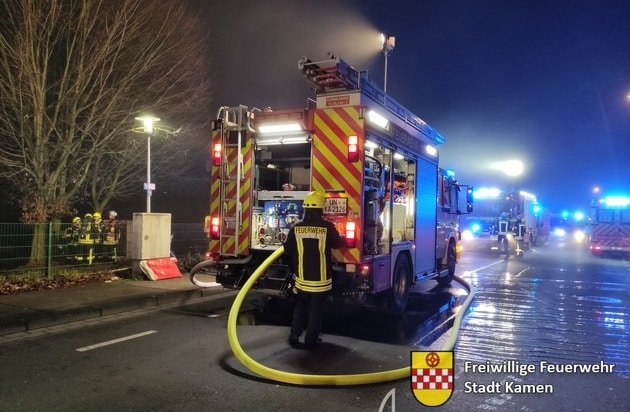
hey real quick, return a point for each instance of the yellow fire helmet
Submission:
(314, 200)
(96, 215)
(76, 219)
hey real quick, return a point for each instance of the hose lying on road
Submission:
(336, 380)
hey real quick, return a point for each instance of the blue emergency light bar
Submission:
(616, 201)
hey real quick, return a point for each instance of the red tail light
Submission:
(351, 234)
(214, 227)
(216, 155)
(353, 148)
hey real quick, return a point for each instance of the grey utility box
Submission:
(151, 236)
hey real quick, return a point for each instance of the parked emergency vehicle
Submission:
(377, 164)
(610, 226)
(507, 221)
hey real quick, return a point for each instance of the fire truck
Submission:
(506, 221)
(610, 226)
(377, 165)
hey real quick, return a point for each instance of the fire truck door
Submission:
(426, 190)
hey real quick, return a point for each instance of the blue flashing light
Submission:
(565, 214)
(616, 201)
(487, 193)
(579, 216)
(475, 228)
(450, 172)
(537, 209)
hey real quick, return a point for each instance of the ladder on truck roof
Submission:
(234, 125)
(335, 75)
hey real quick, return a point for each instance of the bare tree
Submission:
(74, 74)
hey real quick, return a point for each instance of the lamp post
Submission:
(389, 42)
(147, 123)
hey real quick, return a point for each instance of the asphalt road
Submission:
(555, 306)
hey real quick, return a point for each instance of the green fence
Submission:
(48, 249)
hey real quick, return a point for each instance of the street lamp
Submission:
(389, 42)
(147, 123)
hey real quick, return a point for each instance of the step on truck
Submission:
(376, 163)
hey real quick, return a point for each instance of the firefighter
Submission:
(84, 247)
(97, 231)
(308, 246)
(111, 235)
(98, 227)
(86, 228)
(71, 237)
(71, 234)
(112, 227)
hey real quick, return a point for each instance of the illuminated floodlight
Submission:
(617, 201)
(432, 151)
(377, 119)
(578, 216)
(389, 42)
(487, 193)
(511, 167)
(280, 128)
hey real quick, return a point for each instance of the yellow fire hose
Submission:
(328, 380)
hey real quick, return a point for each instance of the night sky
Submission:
(544, 82)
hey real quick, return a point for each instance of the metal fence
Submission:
(46, 249)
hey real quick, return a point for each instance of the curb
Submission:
(32, 319)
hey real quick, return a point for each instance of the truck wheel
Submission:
(451, 261)
(401, 282)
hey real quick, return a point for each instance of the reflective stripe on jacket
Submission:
(309, 246)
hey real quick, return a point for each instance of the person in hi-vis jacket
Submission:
(309, 245)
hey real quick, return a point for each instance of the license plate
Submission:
(335, 206)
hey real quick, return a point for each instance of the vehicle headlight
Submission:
(559, 232)
(579, 236)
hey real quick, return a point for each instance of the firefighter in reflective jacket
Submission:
(309, 245)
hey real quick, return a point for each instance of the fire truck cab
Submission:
(377, 165)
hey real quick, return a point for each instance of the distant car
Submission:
(575, 234)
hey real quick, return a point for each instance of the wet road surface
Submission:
(558, 304)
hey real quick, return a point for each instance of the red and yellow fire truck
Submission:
(377, 164)
(610, 226)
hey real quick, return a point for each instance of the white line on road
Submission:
(111, 342)
(483, 267)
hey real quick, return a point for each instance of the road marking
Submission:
(111, 342)
(484, 267)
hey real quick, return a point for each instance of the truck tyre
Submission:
(451, 261)
(401, 282)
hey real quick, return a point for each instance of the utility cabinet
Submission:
(151, 236)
